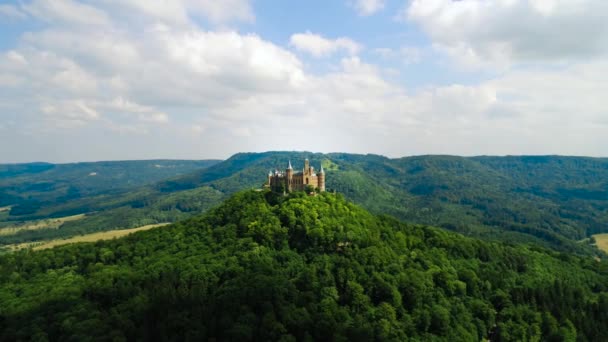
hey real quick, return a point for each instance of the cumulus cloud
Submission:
(193, 92)
(318, 46)
(144, 113)
(181, 11)
(67, 114)
(368, 7)
(505, 32)
(255, 63)
(66, 11)
(406, 54)
(11, 12)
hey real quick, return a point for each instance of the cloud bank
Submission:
(176, 79)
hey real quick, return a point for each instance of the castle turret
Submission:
(321, 179)
(289, 177)
(270, 178)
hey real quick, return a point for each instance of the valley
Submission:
(551, 201)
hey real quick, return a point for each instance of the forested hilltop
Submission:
(553, 201)
(301, 268)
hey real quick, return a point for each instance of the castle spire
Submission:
(289, 167)
(322, 171)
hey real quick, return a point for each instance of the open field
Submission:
(5, 208)
(112, 234)
(601, 241)
(52, 223)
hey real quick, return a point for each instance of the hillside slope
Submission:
(265, 267)
(549, 200)
(28, 187)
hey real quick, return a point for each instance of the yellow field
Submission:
(601, 241)
(39, 224)
(112, 234)
(5, 208)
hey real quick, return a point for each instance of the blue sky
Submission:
(135, 79)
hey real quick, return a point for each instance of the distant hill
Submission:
(554, 201)
(39, 184)
(263, 267)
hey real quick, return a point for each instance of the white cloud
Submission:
(67, 11)
(144, 113)
(11, 12)
(318, 46)
(16, 57)
(220, 11)
(180, 11)
(368, 7)
(68, 114)
(247, 60)
(406, 54)
(504, 32)
(189, 92)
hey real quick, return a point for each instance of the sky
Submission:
(84, 80)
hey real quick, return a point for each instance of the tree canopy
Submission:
(300, 268)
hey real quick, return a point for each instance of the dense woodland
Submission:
(34, 186)
(301, 268)
(551, 201)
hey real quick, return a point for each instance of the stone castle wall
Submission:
(297, 181)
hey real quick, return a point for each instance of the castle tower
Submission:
(289, 178)
(321, 178)
(270, 179)
(306, 167)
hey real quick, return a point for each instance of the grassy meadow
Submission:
(601, 241)
(51, 223)
(113, 234)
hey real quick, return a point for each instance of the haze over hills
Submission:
(262, 266)
(554, 201)
(38, 184)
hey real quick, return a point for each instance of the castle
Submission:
(296, 181)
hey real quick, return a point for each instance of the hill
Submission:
(549, 200)
(32, 195)
(298, 268)
(28, 187)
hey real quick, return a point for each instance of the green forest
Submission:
(552, 201)
(29, 188)
(300, 268)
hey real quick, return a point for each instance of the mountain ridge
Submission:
(553, 201)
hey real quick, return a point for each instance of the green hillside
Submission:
(270, 268)
(548, 200)
(28, 187)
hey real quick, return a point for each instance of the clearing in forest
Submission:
(50, 223)
(601, 241)
(112, 234)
